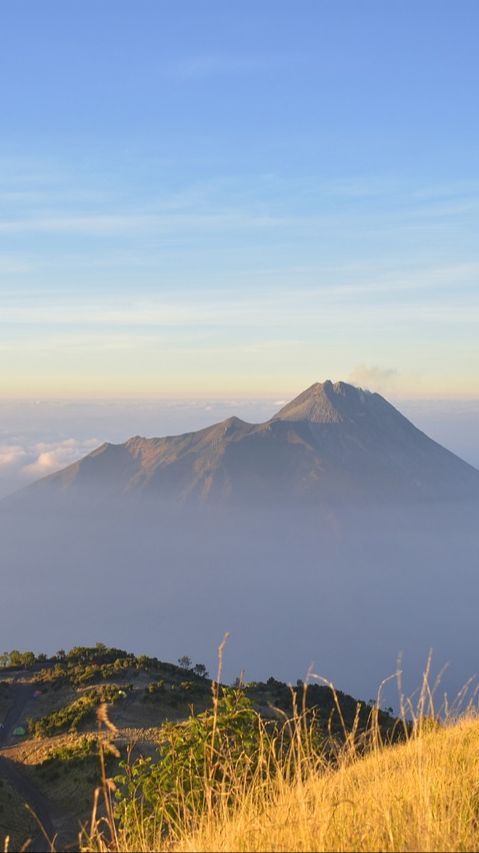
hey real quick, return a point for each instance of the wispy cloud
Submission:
(196, 322)
(408, 291)
(311, 205)
(12, 264)
(201, 65)
(102, 224)
(368, 186)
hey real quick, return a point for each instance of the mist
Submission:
(340, 592)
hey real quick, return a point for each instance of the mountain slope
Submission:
(332, 443)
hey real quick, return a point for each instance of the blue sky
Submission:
(206, 198)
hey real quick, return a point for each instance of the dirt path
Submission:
(14, 774)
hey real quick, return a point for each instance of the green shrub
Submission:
(68, 717)
(196, 759)
(73, 715)
(155, 689)
(84, 749)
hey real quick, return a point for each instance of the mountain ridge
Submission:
(333, 442)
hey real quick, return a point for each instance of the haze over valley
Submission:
(334, 532)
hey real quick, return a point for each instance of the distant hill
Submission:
(334, 443)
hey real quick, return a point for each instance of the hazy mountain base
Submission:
(346, 590)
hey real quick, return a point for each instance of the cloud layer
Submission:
(21, 463)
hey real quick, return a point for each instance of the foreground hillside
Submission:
(146, 755)
(57, 714)
(421, 795)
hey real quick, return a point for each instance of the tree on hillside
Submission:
(21, 659)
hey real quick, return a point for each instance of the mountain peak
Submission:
(324, 402)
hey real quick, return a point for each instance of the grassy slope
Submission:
(422, 795)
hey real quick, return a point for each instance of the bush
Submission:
(68, 717)
(71, 716)
(155, 689)
(197, 759)
(83, 750)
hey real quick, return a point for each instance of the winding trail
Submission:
(16, 777)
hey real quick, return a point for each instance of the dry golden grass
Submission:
(419, 795)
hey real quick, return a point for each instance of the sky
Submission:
(205, 199)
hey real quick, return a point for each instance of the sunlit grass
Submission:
(407, 785)
(419, 794)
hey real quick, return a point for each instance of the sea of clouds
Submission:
(23, 463)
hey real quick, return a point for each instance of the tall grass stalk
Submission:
(357, 792)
